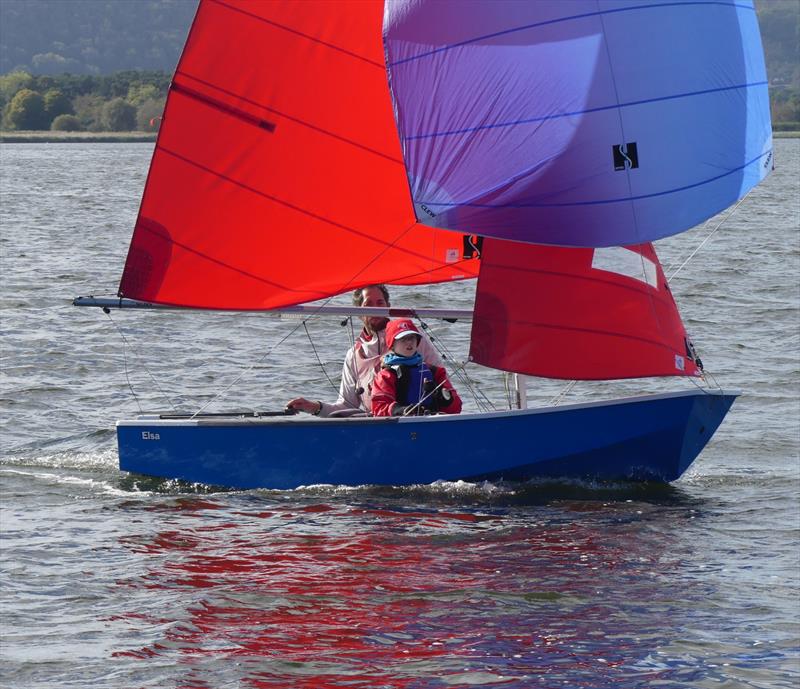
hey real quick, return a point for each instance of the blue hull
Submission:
(653, 438)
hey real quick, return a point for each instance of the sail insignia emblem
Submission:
(625, 156)
(473, 244)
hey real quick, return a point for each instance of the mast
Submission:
(521, 391)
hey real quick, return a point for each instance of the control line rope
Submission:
(125, 346)
(319, 361)
(480, 398)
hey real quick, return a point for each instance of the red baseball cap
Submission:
(397, 329)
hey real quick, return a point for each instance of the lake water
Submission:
(112, 580)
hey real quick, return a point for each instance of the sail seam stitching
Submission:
(601, 108)
(180, 88)
(593, 331)
(602, 201)
(574, 17)
(572, 276)
(298, 33)
(242, 185)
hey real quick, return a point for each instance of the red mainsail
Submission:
(278, 177)
(578, 314)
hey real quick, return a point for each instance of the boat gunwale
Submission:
(243, 421)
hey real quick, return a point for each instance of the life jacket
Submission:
(415, 385)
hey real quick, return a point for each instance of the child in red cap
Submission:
(406, 385)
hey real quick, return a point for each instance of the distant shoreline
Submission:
(48, 137)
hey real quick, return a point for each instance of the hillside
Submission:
(106, 36)
(92, 36)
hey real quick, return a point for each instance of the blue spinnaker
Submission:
(582, 123)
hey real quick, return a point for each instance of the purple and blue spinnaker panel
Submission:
(583, 123)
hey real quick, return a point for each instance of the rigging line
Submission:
(507, 387)
(125, 344)
(713, 380)
(482, 401)
(297, 327)
(711, 234)
(353, 362)
(388, 245)
(225, 391)
(319, 361)
(561, 395)
(479, 397)
(511, 391)
(360, 389)
(416, 406)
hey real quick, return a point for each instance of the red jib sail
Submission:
(578, 314)
(278, 176)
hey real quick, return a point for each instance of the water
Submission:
(111, 580)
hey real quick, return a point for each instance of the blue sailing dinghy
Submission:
(307, 150)
(652, 438)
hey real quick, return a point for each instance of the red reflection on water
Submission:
(323, 597)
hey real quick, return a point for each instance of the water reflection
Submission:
(325, 594)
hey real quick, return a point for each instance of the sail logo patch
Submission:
(473, 245)
(626, 156)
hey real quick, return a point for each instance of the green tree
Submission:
(66, 123)
(26, 111)
(148, 115)
(89, 110)
(11, 83)
(56, 103)
(138, 93)
(119, 115)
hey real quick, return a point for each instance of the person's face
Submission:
(374, 297)
(406, 346)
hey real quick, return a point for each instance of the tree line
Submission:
(134, 100)
(125, 101)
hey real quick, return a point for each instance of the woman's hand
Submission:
(302, 404)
